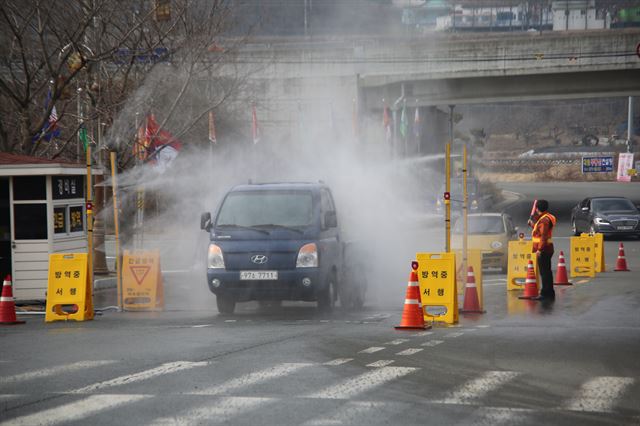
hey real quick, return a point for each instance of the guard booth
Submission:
(42, 211)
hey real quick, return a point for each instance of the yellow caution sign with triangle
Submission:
(142, 285)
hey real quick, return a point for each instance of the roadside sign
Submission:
(597, 164)
(474, 259)
(519, 256)
(583, 256)
(142, 281)
(598, 247)
(69, 292)
(437, 279)
(625, 163)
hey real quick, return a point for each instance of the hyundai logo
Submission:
(259, 259)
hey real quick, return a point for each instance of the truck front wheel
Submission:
(226, 304)
(327, 297)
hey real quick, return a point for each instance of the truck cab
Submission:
(274, 242)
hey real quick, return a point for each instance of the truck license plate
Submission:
(258, 275)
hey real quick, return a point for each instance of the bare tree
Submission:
(86, 58)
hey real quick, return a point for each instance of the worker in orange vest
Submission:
(543, 223)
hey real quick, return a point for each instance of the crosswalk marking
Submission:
(432, 343)
(423, 333)
(496, 416)
(599, 394)
(347, 414)
(170, 367)
(338, 361)
(381, 363)
(362, 383)
(220, 411)
(371, 350)
(410, 351)
(46, 372)
(253, 378)
(397, 342)
(475, 389)
(73, 411)
(454, 334)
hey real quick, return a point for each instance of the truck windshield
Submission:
(275, 208)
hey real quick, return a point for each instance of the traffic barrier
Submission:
(7, 304)
(69, 292)
(471, 302)
(561, 272)
(412, 317)
(437, 278)
(583, 256)
(520, 254)
(530, 284)
(142, 286)
(621, 263)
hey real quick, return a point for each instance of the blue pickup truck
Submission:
(279, 241)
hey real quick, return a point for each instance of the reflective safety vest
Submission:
(535, 234)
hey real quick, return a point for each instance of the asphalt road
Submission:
(572, 362)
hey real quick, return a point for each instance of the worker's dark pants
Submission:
(546, 276)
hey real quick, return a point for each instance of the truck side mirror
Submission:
(330, 219)
(205, 221)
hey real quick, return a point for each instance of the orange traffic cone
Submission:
(561, 272)
(471, 302)
(621, 263)
(7, 305)
(412, 316)
(530, 284)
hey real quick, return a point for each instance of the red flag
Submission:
(163, 146)
(386, 122)
(255, 129)
(212, 128)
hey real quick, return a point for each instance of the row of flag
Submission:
(404, 123)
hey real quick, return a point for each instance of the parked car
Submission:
(607, 215)
(280, 241)
(489, 232)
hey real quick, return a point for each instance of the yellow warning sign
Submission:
(519, 257)
(69, 292)
(583, 256)
(598, 247)
(474, 259)
(142, 281)
(437, 279)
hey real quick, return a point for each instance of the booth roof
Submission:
(7, 159)
(24, 165)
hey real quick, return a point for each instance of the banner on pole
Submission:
(625, 164)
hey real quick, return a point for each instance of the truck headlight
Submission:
(214, 258)
(307, 256)
(601, 221)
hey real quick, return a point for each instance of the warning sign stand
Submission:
(583, 256)
(69, 292)
(598, 247)
(519, 256)
(437, 279)
(142, 285)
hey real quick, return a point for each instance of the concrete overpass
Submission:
(443, 69)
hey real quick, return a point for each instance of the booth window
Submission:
(30, 221)
(68, 219)
(29, 188)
